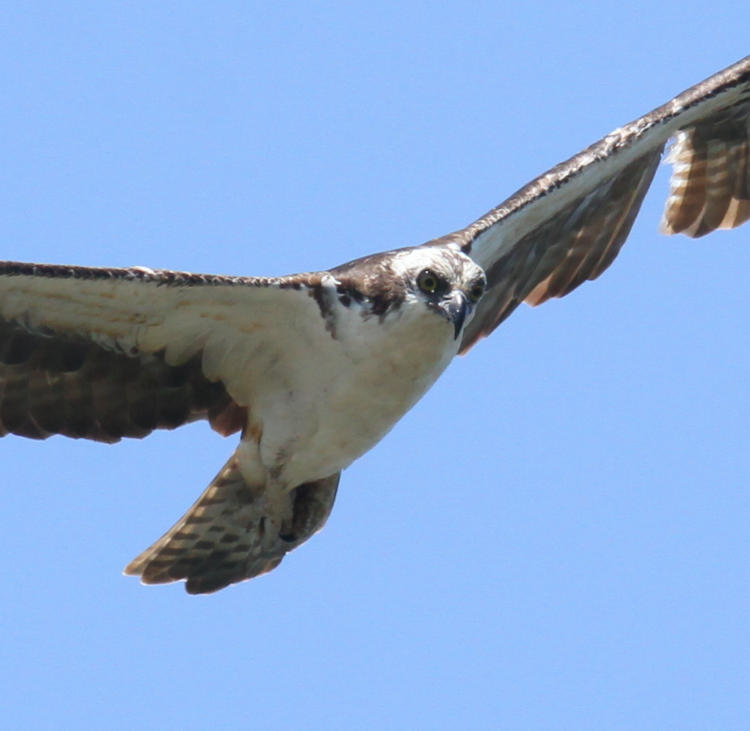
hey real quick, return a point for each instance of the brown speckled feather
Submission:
(57, 384)
(710, 186)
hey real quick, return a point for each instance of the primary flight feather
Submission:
(312, 370)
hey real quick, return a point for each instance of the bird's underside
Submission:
(311, 370)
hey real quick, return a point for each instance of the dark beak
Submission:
(455, 307)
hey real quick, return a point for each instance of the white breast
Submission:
(338, 404)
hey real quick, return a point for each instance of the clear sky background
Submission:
(557, 536)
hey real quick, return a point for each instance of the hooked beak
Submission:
(454, 308)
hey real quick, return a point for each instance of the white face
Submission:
(447, 281)
(451, 266)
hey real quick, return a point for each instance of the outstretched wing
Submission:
(569, 224)
(110, 353)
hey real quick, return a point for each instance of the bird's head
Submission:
(447, 281)
(441, 278)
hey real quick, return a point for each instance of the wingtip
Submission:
(137, 566)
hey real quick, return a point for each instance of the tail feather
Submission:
(235, 532)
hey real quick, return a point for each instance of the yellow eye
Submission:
(476, 292)
(428, 282)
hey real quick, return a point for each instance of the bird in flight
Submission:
(312, 370)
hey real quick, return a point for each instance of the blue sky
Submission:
(557, 536)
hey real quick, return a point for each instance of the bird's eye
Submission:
(428, 282)
(476, 292)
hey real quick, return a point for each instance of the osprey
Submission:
(312, 370)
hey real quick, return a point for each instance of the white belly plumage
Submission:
(363, 382)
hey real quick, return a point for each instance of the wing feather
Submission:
(711, 164)
(569, 224)
(109, 353)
